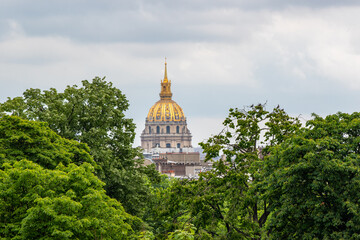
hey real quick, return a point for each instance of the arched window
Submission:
(168, 145)
(178, 145)
(157, 129)
(149, 129)
(177, 129)
(167, 129)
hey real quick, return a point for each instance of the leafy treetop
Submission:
(94, 114)
(35, 141)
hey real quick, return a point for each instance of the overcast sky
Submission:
(302, 55)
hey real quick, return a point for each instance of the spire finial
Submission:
(165, 74)
(165, 86)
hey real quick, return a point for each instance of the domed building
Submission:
(165, 124)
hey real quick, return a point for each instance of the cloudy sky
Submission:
(303, 55)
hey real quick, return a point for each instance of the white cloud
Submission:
(310, 42)
(224, 54)
(204, 127)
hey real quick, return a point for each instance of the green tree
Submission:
(228, 202)
(64, 203)
(48, 189)
(35, 141)
(93, 114)
(186, 234)
(314, 180)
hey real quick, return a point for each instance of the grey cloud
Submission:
(147, 21)
(302, 55)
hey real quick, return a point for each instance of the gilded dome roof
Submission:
(165, 110)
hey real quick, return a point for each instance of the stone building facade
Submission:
(165, 124)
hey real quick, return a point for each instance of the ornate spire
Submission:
(165, 74)
(165, 86)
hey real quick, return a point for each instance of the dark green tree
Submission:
(64, 203)
(93, 114)
(35, 141)
(314, 181)
(229, 202)
(48, 189)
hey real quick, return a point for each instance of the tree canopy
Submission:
(93, 114)
(276, 180)
(226, 203)
(272, 178)
(48, 189)
(21, 139)
(314, 181)
(64, 203)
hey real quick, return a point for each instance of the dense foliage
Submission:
(48, 189)
(64, 203)
(93, 114)
(273, 178)
(35, 141)
(226, 202)
(276, 180)
(314, 181)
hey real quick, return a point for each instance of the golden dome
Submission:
(165, 109)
